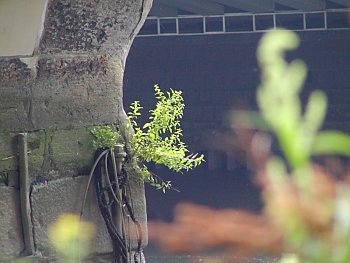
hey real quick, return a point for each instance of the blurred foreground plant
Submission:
(303, 202)
(71, 238)
(306, 214)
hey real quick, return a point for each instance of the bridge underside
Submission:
(164, 8)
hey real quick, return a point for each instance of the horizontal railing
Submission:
(245, 22)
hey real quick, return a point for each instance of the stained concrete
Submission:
(74, 77)
(52, 154)
(56, 89)
(10, 222)
(50, 199)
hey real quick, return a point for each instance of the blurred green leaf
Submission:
(290, 258)
(332, 142)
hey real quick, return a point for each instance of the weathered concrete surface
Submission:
(72, 81)
(8, 153)
(59, 92)
(51, 153)
(93, 26)
(75, 76)
(138, 202)
(60, 153)
(11, 243)
(51, 199)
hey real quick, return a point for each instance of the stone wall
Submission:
(55, 90)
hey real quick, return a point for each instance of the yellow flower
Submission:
(70, 236)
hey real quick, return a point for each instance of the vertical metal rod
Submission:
(117, 208)
(24, 185)
(118, 156)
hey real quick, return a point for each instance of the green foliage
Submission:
(159, 140)
(313, 239)
(105, 137)
(152, 179)
(297, 132)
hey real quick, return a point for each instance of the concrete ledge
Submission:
(20, 26)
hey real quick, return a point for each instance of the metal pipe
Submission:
(118, 157)
(24, 184)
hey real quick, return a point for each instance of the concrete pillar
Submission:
(61, 72)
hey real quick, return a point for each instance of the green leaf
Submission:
(105, 137)
(159, 139)
(146, 125)
(332, 142)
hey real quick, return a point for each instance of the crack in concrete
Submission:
(32, 219)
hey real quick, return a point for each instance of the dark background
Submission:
(218, 73)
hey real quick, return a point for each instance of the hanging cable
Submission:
(113, 193)
(105, 203)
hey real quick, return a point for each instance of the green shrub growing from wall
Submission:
(158, 140)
